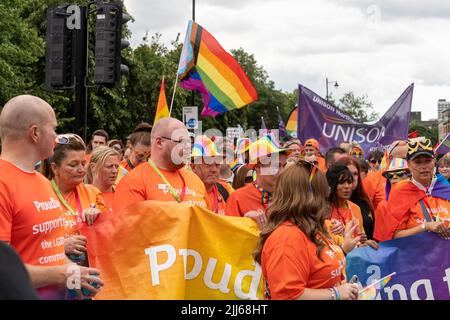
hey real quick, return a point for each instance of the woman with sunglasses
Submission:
(397, 172)
(298, 257)
(140, 141)
(374, 159)
(102, 172)
(66, 171)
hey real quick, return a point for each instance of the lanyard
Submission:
(173, 192)
(130, 164)
(215, 192)
(265, 196)
(65, 203)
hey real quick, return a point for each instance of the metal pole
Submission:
(193, 19)
(326, 97)
(173, 95)
(81, 69)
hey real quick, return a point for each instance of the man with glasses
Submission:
(252, 200)
(164, 176)
(31, 218)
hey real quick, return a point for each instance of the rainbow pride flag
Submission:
(370, 292)
(162, 109)
(206, 67)
(291, 125)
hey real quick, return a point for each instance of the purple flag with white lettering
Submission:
(444, 146)
(329, 125)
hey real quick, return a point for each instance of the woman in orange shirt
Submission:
(299, 260)
(340, 180)
(102, 172)
(66, 171)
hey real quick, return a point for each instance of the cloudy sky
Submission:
(373, 47)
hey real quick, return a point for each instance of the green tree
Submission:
(358, 107)
(20, 49)
(423, 131)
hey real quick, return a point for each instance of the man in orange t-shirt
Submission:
(31, 218)
(164, 177)
(312, 148)
(206, 165)
(252, 200)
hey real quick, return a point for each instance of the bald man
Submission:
(164, 177)
(31, 218)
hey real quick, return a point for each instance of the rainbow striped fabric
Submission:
(162, 109)
(371, 291)
(204, 147)
(206, 67)
(291, 125)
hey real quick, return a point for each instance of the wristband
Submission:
(338, 295)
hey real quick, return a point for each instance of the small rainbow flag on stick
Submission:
(162, 109)
(370, 292)
(206, 67)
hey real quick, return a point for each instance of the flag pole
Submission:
(173, 95)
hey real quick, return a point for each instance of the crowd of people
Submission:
(312, 209)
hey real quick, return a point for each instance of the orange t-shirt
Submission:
(143, 183)
(215, 201)
(32, 220)
(321, 164)
(243, 200)
(87, 195)
(108, 197)
(436, 207)
(290, 264)
(375, 186)
(345, 215)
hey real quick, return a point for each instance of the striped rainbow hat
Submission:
(397, 164)
(263, 147)
(204, 147)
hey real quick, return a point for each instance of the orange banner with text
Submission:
(159, 250)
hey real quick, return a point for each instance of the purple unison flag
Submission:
(444, 146)
(329, 125)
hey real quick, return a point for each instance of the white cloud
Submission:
(368, 51)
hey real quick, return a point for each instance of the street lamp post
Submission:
(336, 85)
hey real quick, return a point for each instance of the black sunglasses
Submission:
(399, 174)
(373, 161)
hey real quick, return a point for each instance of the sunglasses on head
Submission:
(373, 161)
(65, 138)
(398, 174)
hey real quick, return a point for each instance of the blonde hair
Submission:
(98, 158)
